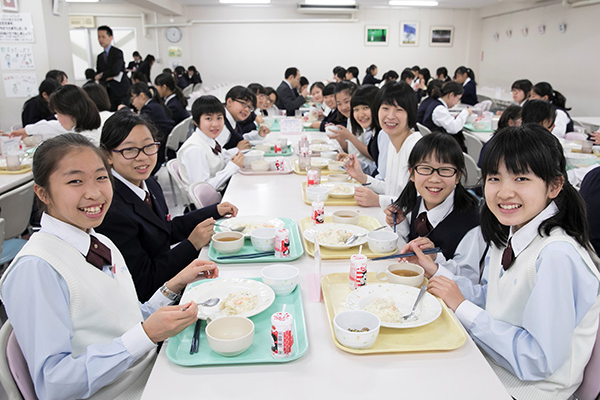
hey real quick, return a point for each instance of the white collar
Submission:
(72, 235)
(438, 213)
(230, 118)
(169, 98)
(466, 81)
(139, 191)
(211, 142)
(525, 235)
(148, 102)
(289, 84)
(443, 102)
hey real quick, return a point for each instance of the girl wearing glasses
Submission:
(138, 221)
(434, 209)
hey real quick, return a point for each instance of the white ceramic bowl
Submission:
(319, 162)
(253, 155)
(382, 241)
(259, 165)
(281, 278)
(356, 320)
(336, 166)
(228, 242)
(314, 193)
(263, 239)
(329, 154)
(231, 335)
(391, 277)
(337, 178)
(331, 129)
(346, 217)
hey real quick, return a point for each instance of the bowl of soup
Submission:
(228, 242)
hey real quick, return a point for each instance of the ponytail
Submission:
(447, 88)
(471, 75)
(169, 81)
(370, 69)
(559, 100)
(555, 97)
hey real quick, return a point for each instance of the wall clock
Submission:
(173, 34)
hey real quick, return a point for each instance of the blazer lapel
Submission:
(139, 207)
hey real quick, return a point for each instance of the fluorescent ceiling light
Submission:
(413, 3)
(244, 1)
(82, 1)
(330, 2)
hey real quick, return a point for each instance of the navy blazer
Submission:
(157, 114)
(182, 81)
(590, 191)
(144, 68)
(178, 112)
(288, 100)
(470, 94)
(34, 110)
(118, 92)
(195, 78)
(145, 237)
(370, 80)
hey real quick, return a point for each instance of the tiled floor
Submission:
(163, 179)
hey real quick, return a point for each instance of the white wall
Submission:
(51, 50)
(568, 61)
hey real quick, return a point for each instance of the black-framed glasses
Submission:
(444, 172)
(132, 152)
(248, 106)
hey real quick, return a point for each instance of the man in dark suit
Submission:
(110, 68)
(288, 98)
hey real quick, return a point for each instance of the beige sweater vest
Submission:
(507, 297)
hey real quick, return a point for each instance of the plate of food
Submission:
(342, 190)
(244, 297)
(249, 223)
(334, 236)
(318, 148)
(319, 162)
(390, 301)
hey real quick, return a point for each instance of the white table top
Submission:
(324, 371)
(8, 182)
(483, 136)
(495, 93)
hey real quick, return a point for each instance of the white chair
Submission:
(473, 144)
(15, 206)
(182, 189)
(179, 134)
(590, 386)
(472, 179)
(188, 90)
(197, 87)
(423, 130)
(203, 194)
(14, 374)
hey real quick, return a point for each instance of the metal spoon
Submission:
(412, 316)
(353, 238)
(213, 301)
(236, 229)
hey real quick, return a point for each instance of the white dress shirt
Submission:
(442, 118)
(560, 124)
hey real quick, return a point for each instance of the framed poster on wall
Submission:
(409, 34)
(376, 35)
(10, 5)
(441, 36)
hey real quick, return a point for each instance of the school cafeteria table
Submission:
(11, 181)
(592, 122)
(324, 371)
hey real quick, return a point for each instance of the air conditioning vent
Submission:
(326, 9)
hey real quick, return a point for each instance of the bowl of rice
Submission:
(356, 329)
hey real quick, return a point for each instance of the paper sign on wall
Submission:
(16, 28)
(16, 56)
(20, 85)
(175, 51)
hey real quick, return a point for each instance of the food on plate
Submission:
(341, 189)
(238, 303)
(333, 236)
(320, 147)
(249, 227)
(385, 309)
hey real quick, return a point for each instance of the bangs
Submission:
(520, 150)
(440, 147)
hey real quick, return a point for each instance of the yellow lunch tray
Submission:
(24, 169)
(365, 221)
(331, 201)
(324, 171)
(445, 333)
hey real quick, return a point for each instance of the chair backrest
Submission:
(17, 204)
(188, 90)
(473, 177)
(590, 386)
(473, 145)
(423, 130)
(14, 374)
(2, 223)
(203, 194)
(178, 134)
(197, 87)
(173, 169)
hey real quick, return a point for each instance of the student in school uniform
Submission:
(535, 314)
(138, 221)
(89, 337)
(590, 192)
(370, 74)
(396, 110)
(194, 75)
(172, 96)
(36, 108)
(75, 112)
(466, 77)
(434, 209)
(149, 105)
(255, 118)
(563, 122)
(135, 64)
(352, 75)
(437, 116)
(146, 67)
(442, 74)
(110, 69)
(201, 157)
(407, 76)
(521, 89)
(339, 74)
(511, 116)
(287, 99)
(180, 77)
(330, 113)
(539, 112)
(98, 94)
(270, 109)
(59, 76)
(389, 77)
(424, 105)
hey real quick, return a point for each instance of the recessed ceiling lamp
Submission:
(330, 2)
(244, 1)
(413, 3)
(82, 1)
